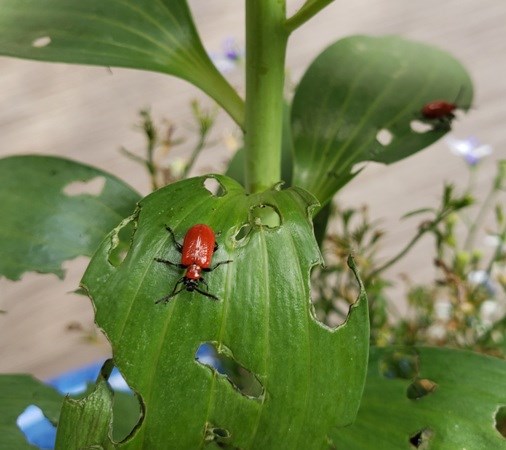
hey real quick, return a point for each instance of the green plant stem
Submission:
(476, 224)
(195, 153)
(308, 10)
(501, 237)
(266, 40)
(422, 230)
(218, 88)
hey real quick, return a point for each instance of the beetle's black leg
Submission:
(174, 292)
(170, 263)
(209, 269)
(176, 243)
(207, 294)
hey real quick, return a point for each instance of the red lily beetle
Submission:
(439, 109)
(441, 112)
(197, 251)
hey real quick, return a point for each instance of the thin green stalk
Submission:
(422, 230)
(308, 10)
(266, 39)
(195, 153)
(218, 88)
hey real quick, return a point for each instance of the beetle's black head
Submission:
(190, 284)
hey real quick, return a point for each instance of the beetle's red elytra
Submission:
(441, 112)
(197, 250)
(439, 109)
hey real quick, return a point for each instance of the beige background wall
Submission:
(87, 113)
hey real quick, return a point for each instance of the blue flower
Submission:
(229, 57)
(470, 149)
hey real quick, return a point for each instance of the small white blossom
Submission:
(490, 311)
(443, 310)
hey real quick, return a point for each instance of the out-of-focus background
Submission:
(88, 113)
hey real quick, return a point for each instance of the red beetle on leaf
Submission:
(197, 251)
(441, 112)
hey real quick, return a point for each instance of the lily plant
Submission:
(317, 387)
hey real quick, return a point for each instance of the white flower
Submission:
(490, 311)
(443, 310)
(470, 149)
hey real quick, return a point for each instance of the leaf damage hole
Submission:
(421, 439)
(128, 409)
(420, 388)
(241, 235)
(219, 436)
(500, 420)
(384, 137)
(36, 427)
(93, 187)
(420, 127)
(400, 364)
(221, 360)
(332, 295)
(214, 187)
(331, 302)
(121, 240)
(265, 215)
(41, 42)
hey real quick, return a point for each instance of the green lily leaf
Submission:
(93, 414)
(140, 34)
(429, 398)
(309, 378)
(53, 210)
(17, 392)
(361, 99)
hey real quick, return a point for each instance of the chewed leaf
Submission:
(361, 100)
(141, 34)
(454, 401)
(288, 379)
(53, 210)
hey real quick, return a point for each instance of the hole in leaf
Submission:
(421, 439)
(242, 233)
(127, 414)
(265, 215)
(222, 361)
(214, 187)
(420, 127)
(128, 408)
(41, 42)
(500, 421)
(399, 364)
(215, 434)
(122, 240)
(94, 187)
(331, 296)
(384, 137)
(36, 427)
(420, 388)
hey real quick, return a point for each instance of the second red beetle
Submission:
(197, 251)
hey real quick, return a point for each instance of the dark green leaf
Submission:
(142, 34)
(17, 392)
(45, 221)
(456, 412)
(357, 89)
(311, 376)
